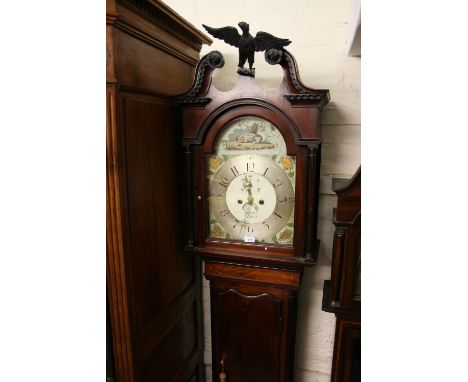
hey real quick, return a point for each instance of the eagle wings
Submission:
(246, 43)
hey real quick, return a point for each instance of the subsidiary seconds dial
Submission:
(250, 195)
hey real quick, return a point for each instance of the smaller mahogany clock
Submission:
(252, 160)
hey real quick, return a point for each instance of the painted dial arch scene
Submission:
(251, 184)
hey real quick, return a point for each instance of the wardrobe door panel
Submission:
(160, 271)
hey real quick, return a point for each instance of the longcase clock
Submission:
(252, 160)
(342, 294)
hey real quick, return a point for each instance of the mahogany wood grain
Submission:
(170, 77)
(117, 287)
(153, 286)
(284, 277)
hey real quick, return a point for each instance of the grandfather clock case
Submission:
(252, 169)
(342, 294)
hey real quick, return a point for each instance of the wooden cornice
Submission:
(159, 14)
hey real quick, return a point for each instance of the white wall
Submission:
(318, 30)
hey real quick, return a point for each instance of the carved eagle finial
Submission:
(247, 44)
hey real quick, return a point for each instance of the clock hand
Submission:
(248, 185)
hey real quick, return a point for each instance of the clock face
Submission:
(251, 195)
(251, 184)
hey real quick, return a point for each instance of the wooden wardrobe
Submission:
(152, 285)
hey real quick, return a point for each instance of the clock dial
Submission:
(252, 183)
(251, 195)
